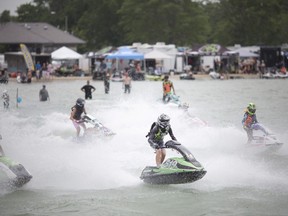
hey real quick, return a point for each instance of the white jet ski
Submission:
(98, 128)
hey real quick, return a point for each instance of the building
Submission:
(40, 38)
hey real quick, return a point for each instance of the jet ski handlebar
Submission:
(173, 144)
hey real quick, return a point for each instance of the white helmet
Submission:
(5, 91)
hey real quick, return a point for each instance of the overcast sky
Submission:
(12, 5)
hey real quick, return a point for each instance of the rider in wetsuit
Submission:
(156, 137)
(167, 86)
(76, 113)
(88, 89)
(250, 122)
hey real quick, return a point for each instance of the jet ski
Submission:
(13, 174)
(176, 170)
(98, 127)
(269, 140)
(172, 98)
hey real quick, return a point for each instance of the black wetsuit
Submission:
(156, 136)
(88, 91)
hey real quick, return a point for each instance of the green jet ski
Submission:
(176, 170)
(12, 173)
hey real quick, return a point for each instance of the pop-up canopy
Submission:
(125, 53)
(65, 53)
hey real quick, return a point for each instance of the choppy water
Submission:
(101, 176)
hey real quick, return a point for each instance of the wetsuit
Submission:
(156, 136)
(43, 94)
(78, 113)
(251, 123)
(88, 91)
(167, 85)
(6, 99)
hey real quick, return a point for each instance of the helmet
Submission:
(251, 108)
(80, 102)
(163, 121)
(5, 91)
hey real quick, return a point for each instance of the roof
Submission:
(35, 33)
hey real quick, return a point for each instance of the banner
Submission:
(27, 57)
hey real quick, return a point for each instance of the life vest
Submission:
(167, 86)
(78, 113)
(160, 133)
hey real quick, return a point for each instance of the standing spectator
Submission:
(262, 67)
(43, 94)
(127, 83)
(29, 76)
(38, 69)
(106, 79)
(6, 98)
(88, 89)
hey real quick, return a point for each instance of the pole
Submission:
(66, 23)
(17, 98)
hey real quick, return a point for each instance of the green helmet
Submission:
(251, 108)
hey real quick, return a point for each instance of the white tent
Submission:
(64, 53)
(155, 54)
(167, 62)
(245, 52)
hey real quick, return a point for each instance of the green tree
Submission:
(248, 22)
(5, 16)
(172, 21)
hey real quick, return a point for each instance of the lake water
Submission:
(100, 176)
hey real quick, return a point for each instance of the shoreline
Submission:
(172, 76)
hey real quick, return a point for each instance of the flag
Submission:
(27, 57)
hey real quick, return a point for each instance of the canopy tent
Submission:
(246, 52)
(125, 53)
(65, 53)
(155, 54)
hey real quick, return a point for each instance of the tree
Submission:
(5, 16)
(173, 21)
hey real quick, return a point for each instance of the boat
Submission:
(117, 77)
(153, 77)
(215, 75)
(13, 174)
(175, 170)
(98, 128)
(275, 75)
(188, 76)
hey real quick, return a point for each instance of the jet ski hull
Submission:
(268, 141)
(174, 171)
(151, 176)
(16, 173)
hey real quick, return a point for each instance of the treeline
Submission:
(182, 22)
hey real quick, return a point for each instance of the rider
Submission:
(76, 113)
(156, 137)
(167, 86)
(250, 122)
